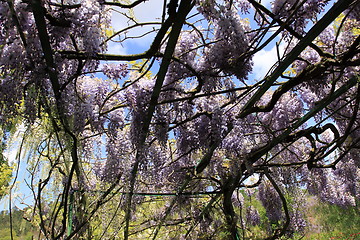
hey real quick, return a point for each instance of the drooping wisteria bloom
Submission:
(300, 13)
(115, 71)
(271, 202)
(252, 216)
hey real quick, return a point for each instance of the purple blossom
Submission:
(301, 14)
(231, 43)
(354, 12)
(138, 96)
(115, 71)
(252, 216)
(271, 201)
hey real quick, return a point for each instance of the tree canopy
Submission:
(180, 141)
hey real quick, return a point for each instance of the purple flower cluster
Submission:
(288, 108)
(10, 97)
(271, 201)
(231, 42)
(336, 187)
(137, 96)
(252, 216)
(185, 51)
(300, 13)
(68, 29)
(115, 71)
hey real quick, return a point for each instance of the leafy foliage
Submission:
(5, 177)
(22, 230)
(5, 173)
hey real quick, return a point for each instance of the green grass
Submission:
(334, 222)
(325, 222)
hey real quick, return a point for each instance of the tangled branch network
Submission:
(180, 141)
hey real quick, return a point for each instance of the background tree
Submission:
(165, 142)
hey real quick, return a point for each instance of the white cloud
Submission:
(267, 3)
(10, 153)
(12, 149)
(116, 48)
(264, 60)
(21, 194)
(149, 11)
